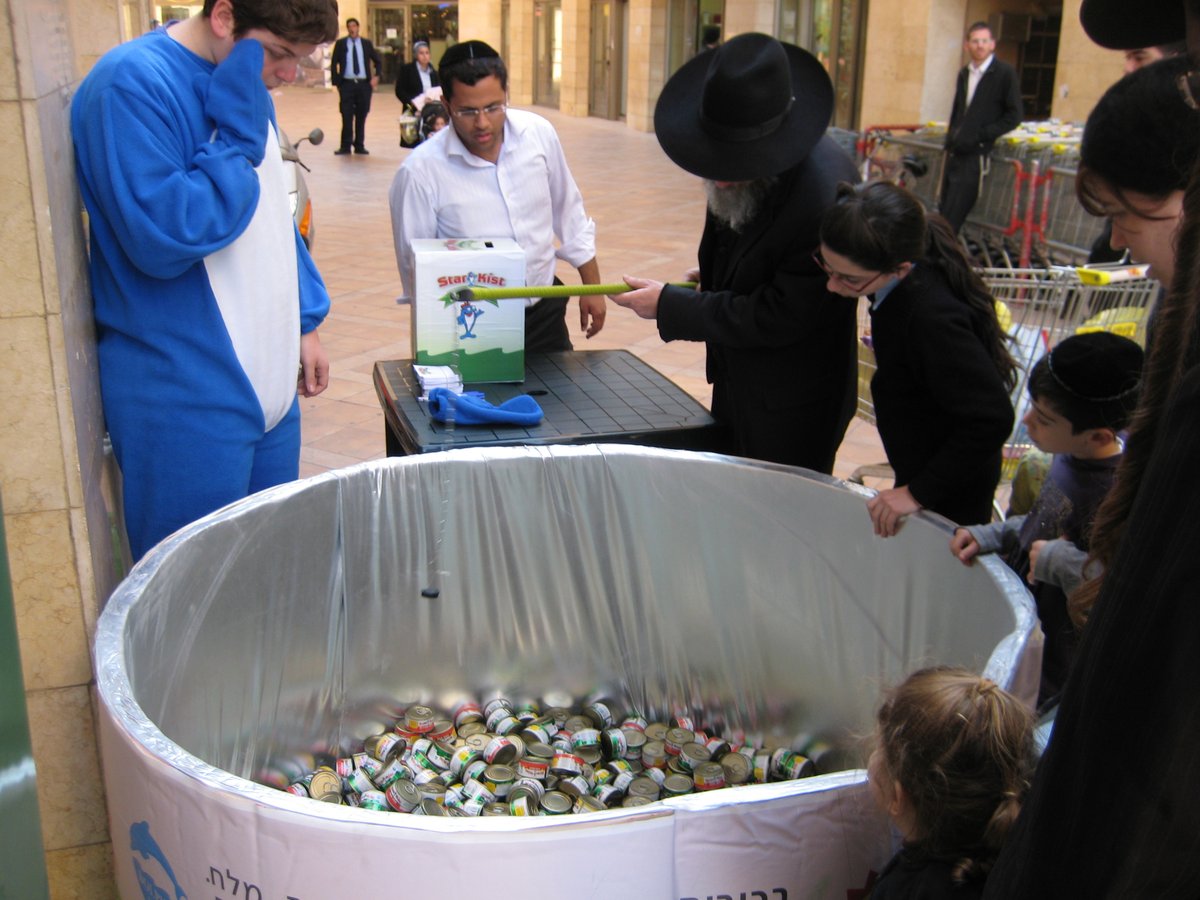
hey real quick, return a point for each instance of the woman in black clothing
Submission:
(943, 375)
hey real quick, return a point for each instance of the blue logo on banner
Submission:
(141, 842)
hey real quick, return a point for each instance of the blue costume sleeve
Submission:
(173, 199)
(314, 297)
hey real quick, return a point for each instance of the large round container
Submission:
(666, 579)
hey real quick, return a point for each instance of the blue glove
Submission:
(471, 409)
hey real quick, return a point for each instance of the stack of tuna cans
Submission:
(500, 758)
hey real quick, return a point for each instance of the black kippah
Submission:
(467, 50)
(1097, 366)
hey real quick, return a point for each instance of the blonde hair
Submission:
(962, 750)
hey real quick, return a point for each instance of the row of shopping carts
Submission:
(1027, 213)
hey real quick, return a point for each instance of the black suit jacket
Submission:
(995, 110)
(781, 348)
(338, 62)
(942, 409)
(408, 81)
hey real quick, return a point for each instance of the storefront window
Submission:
(394, 27)
(832, 31)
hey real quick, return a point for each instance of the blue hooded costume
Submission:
(201, 284)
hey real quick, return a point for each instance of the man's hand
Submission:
(592, 310)
(314, 366)
(964, 547)
(643, 299)
(694, 276)
(888, 509)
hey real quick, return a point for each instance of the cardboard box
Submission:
(483, 340)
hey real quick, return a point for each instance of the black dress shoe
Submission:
(362, 150)
(341, 151)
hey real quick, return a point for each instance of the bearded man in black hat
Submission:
(750, 118)
(1114, 808)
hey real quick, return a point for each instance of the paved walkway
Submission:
(648, 218)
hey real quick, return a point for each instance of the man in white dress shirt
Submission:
(498, 173)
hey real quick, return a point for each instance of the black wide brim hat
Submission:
(1126, 25)
(751, 108)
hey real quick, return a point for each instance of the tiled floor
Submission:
(648, 217)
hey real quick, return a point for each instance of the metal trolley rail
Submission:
(1027, 213)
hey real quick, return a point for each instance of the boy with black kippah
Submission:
(1083, 394)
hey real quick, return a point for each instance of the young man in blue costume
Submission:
(206, 300)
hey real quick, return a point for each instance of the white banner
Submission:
(174, 837)
(823, 844)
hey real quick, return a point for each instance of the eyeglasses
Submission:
(470, 113)
(1189, 86)
(852, 282)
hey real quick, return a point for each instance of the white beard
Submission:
(738, 204)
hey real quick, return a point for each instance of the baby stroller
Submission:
(430, 114)
(416, 127)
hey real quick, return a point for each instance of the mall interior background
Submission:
(892, 62)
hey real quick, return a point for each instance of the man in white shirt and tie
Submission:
(498, 172)
(350, 68)
(987, 104)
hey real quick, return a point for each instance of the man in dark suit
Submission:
(781, 348)
(987, 104)
(350, 66)
(416, 77)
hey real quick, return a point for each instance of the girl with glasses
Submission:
(1135, 160)
(944, 375)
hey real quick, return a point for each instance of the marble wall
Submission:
(911, 56)
(54, 475)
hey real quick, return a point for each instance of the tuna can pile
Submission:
(499, 758)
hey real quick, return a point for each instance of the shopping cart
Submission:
(1068, 231)
(847, 139)
(1037, 309)
(910, 155)
(1043, 306)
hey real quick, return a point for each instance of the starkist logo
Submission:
(482, 279)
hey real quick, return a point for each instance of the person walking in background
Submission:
(350, 68)
(987, 104)
(206, 299)
(416, 77)
(943, 370)
(749, 118)
(498, 172)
